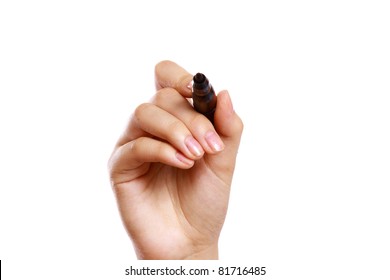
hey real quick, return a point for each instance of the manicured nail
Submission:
(214, 142)
(183, 159)
(193, 146)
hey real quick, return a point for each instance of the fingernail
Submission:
(214, 142)
(183, 159)
(193, 146)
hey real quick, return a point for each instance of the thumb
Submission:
(229, 127)
(226, 121)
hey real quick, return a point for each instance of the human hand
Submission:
(171, 171)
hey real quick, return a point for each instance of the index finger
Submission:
(169, 74)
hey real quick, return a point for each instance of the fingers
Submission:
(134, 154)
(169, 74)
(171, 118)
(198, 125)
(170, 131)
(160, 123)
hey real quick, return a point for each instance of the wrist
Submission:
(208, 253)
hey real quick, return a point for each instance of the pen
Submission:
(203, 95)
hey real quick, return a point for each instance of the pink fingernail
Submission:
(214, 142)
(193, 146)
(183, 159)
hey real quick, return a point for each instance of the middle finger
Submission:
(200, 127)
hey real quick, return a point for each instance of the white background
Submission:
(310, 79)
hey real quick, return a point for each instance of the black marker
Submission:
(204, 97)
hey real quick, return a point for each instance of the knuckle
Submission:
(161, 150)
(240, 125)
(163, 94)
(175, 127)
(140, 110)
(161, 65)
(136, 146)
(198, 120)
(236, 126)
(111, 164)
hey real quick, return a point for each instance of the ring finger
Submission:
(171, 101)
(163, 125)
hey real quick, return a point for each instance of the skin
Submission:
(171, 171)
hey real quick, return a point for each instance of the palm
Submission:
(169, 208)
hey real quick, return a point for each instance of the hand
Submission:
(171, 171)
